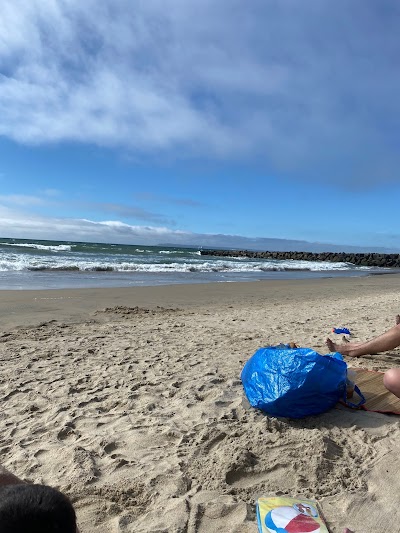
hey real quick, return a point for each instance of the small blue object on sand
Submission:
(341, 330)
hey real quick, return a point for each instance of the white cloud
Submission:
(19, 224)
(128, 211)
(307, 86)
(22, 200)
(52, 193)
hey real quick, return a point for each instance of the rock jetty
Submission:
(365, 259)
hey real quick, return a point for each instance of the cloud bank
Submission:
(21, 225)
(306, 87)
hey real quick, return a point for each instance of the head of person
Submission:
(35, 509)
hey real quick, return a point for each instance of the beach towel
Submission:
(289, 515)
(377, 397)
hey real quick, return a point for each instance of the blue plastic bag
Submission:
(294, 383)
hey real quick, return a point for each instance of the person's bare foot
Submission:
(343, 349)
(331, 345)
(397, 320)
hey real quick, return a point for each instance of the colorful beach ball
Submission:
(289, 520)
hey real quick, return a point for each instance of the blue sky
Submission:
(150, 121)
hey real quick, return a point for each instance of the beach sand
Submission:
(130, 401)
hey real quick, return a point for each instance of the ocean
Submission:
(35, 264)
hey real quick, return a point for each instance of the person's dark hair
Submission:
(35, 509)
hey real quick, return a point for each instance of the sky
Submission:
(181, 121)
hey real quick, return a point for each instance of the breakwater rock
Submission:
(365, 259)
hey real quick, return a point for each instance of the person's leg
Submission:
(391, 380)
(389, 340)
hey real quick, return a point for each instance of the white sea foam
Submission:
(178, 252)
(54, 265)
(13, 261)
(57, 248)
(65, 257)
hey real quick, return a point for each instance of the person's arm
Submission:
(7, 478)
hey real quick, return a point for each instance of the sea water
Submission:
(30, 264)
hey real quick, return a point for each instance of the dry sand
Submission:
(130, 401)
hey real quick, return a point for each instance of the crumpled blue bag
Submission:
(295, 383)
